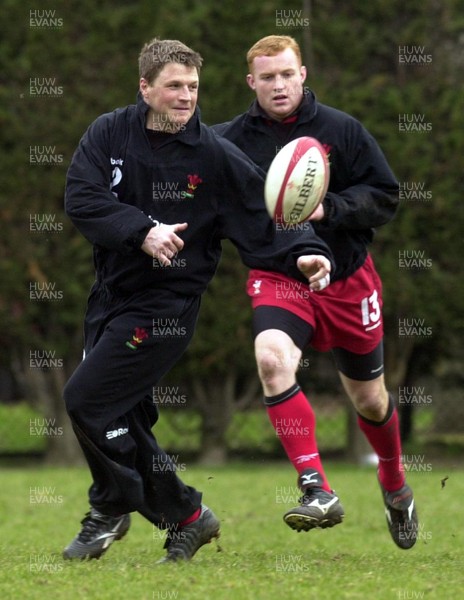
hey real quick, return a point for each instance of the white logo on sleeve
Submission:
(116, 173)
(257, 286)
(116, 433)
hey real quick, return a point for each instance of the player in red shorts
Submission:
(346, 317)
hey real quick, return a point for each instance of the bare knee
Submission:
(277, 361)
(370, 398)
(272, 363)
(372, 406)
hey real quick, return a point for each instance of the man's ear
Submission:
(303, 73)
(251, 81)
(143, 84)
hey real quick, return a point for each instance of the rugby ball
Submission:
(297, 181)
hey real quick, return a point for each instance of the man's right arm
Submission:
(100, 215)
(93, 208)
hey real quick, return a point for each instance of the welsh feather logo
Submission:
(257, 286)
(327, 148)
(193, 182)
(139, 335)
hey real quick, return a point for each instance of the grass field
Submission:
(261, 558)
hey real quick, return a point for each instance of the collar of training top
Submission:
(305, 111)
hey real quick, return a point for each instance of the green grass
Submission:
(261, 558)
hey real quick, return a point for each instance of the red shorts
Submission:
(347, 314)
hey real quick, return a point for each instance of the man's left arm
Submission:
(371, 197)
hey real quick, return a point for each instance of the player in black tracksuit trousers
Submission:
(123, 180)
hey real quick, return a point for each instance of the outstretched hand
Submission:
(317, 269)
(163, 243)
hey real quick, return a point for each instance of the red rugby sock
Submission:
(191, 519)
(384, 437)
(295, 424)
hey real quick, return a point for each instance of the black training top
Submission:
(363, 192)
(121, 183)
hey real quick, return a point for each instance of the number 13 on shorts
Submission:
(370, 311)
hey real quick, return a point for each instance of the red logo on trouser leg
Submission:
(137, 338)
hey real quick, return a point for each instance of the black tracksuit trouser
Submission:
(130, 343)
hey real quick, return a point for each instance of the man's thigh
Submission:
(136, 348)
(360, 367)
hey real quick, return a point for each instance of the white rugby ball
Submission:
(297, 181)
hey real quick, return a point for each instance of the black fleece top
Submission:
(119, 185)
(363, 192)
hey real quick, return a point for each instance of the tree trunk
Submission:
(217, 399)
(397, 360)
(43, 389)
(63, 449)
